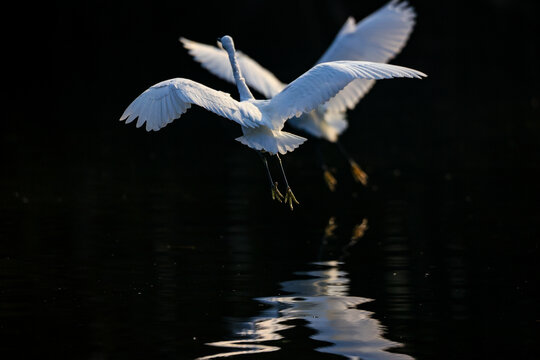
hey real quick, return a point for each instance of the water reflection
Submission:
(319, 302)
(358, 232)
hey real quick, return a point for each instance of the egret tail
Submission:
(272, 141)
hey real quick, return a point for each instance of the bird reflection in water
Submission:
(357, 233)
(322, 303)
(329, 239)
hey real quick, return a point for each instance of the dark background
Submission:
(118, 243)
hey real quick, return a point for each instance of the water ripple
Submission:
(322, 303)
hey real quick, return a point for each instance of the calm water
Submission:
(153, 254)
(321, 304)
(120, 244)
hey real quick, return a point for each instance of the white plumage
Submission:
(169, 99)
(377, 38)
(261, 120)
(216, 60)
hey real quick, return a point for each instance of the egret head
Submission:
(227, 42)
(219, 43)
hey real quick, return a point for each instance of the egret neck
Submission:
(228, 45)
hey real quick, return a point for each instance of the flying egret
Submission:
(261, 120)
(377, 38)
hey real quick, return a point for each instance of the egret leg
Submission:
(289, 197)
(328, 177)
(358, 174)
(276, 194)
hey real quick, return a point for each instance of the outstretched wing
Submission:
(166, 101)
(322, 82)
(377, 38)
(217, 62)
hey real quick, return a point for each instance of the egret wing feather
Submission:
(166, 101)
(378, 38)
(348, 27)
(349, 97)
(217, 62)
(322, 82)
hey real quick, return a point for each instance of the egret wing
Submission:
(378, 38)
(321, 83)
(166, 101)
(217, 62)
(348, 27)
(349, 97)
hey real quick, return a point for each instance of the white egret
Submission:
(261, 120)
(377, 38)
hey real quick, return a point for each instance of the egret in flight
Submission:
(377, 38)
(261, 120)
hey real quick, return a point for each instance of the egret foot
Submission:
(276, 194)
(289, 198)
(358, 174)
(330, 180)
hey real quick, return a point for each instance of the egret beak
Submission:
(219, 43)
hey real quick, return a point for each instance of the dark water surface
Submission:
(121, 244)
(144, 255)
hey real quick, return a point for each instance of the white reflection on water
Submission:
(323, 303)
